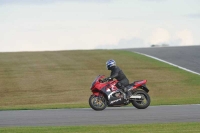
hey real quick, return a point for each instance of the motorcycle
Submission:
(107, 94)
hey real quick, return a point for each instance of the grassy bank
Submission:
(138, 128)
(61, 79)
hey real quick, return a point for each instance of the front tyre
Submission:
(143, 102)
(97, 103)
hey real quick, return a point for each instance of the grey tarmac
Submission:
(109, 116)
(185, 56)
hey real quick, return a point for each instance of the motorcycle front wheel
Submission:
(143, 102)
(97, 103)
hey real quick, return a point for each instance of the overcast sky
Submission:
(32, 25)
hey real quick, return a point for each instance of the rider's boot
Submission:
(128, 93)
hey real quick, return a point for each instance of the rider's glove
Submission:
(109, 78)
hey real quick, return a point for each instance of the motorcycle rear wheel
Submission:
(97, 103)
(143, 102)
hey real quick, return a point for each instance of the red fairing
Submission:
(113, 85)
(139, 83)
(97, 85)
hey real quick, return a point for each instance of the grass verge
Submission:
(138, 128)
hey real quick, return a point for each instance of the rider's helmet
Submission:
(110, 63)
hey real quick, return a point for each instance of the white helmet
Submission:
(110, 63)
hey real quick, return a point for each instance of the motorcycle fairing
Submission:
(114, 97)
(138, 84)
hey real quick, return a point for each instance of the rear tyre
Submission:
(141, 103)
(97, 103)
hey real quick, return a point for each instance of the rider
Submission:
(118, 74)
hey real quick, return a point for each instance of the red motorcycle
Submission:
(107, 94)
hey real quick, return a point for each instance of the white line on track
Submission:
(169, 63)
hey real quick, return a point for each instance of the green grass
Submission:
(138, 128)
(62, 79)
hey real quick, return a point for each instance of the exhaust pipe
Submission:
(135, 96)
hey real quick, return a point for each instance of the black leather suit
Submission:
(118, 74)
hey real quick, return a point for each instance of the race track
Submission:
(116, 115)
(187, 57)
